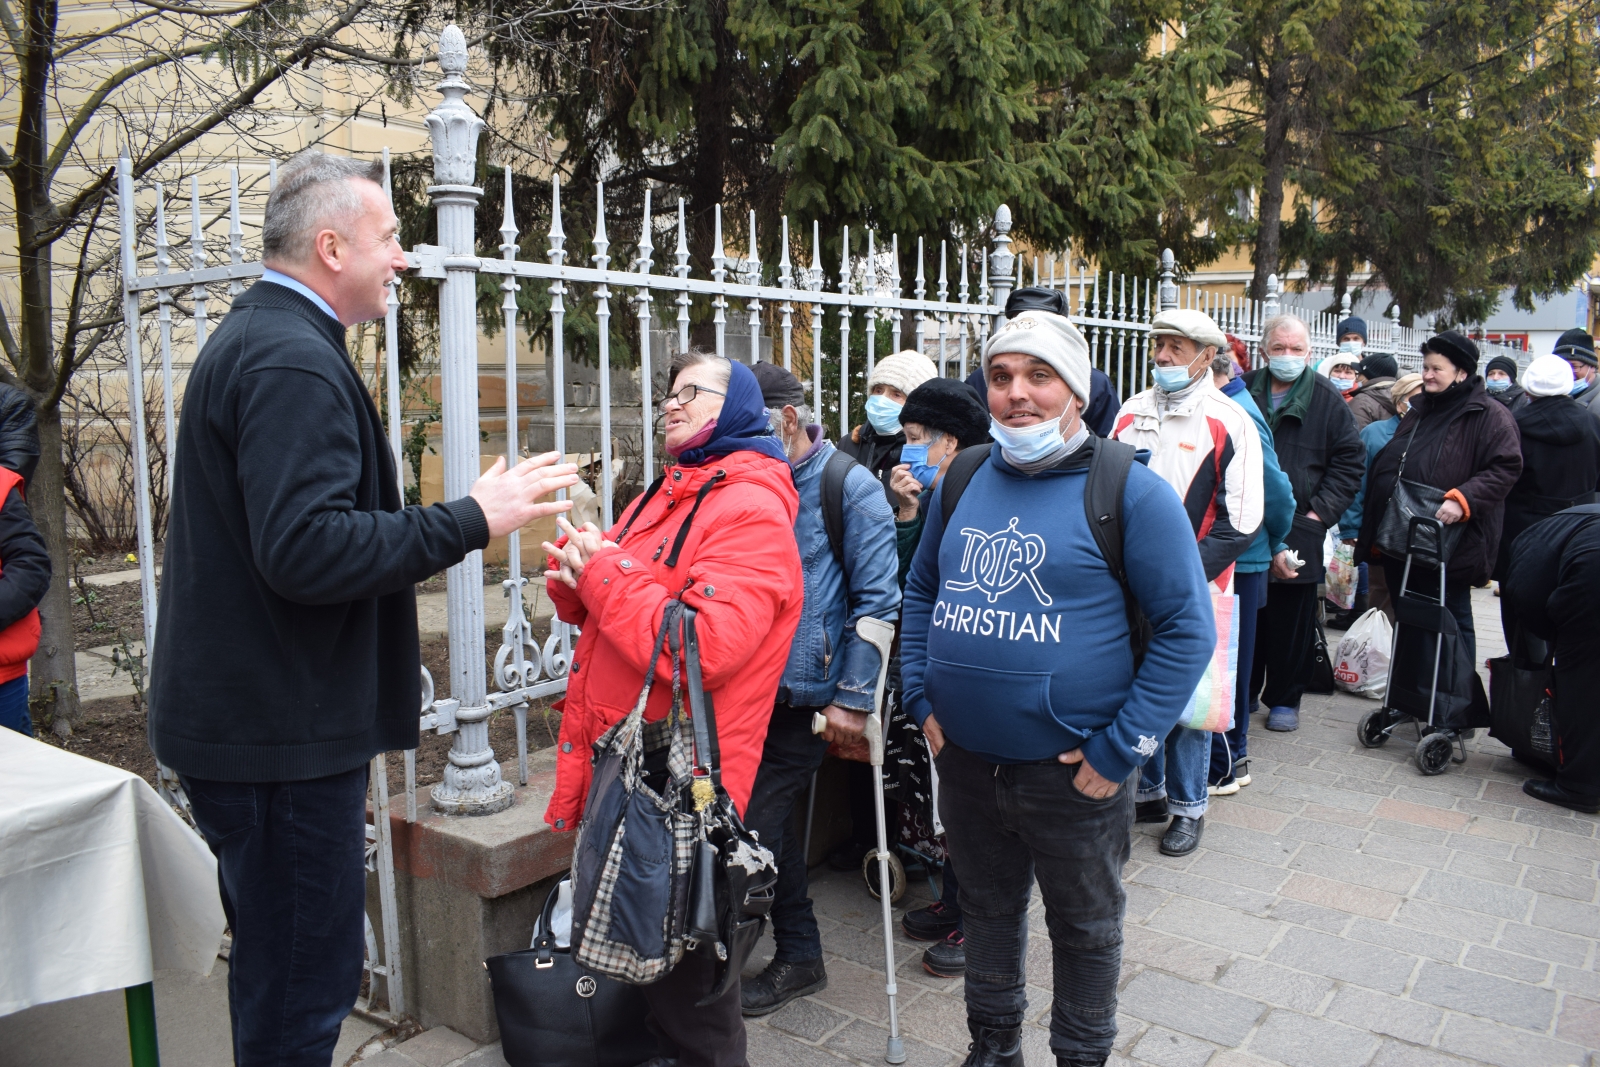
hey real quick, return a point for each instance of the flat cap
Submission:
(1197, 326)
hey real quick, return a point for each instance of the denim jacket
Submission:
(828, 663)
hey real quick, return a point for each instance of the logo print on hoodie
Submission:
(1001, 561)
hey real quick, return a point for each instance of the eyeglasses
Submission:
(686, 395)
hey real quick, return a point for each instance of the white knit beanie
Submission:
(905, 370)
(1547, 376)
(1052, 338)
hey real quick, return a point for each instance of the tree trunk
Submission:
(52, 673)
(707, 183)
(1275, 152)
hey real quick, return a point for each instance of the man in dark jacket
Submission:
(1552, 588)
(1500, 379)
(1318, 449)
(1371, 402)
(286, 648)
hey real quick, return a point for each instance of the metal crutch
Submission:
(880, 635)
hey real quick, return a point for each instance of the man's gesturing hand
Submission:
(510, 498)
(1088, 780)
(570, 559)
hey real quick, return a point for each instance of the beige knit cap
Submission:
(905, 370)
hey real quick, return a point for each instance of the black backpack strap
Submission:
(701, 713)
(643, 500)
(1102, 506)
(955, 479)
(834, 473)
(699, 498)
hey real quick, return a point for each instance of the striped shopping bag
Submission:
(1211, 706)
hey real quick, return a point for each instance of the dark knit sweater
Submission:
(286, 640)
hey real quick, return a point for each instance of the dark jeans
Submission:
(1286, 630)
(291, 866)
(712, 1036)
(1457, 598)
(1577, 728)
(1232, 747)
(1009, 823)
(791, 756)
(14, 706)
(950, 887)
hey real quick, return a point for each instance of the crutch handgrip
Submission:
(879, 635)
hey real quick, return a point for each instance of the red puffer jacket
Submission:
(739, 568)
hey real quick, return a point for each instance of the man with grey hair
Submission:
(832, 670)
(1315, 438)
(286, 652)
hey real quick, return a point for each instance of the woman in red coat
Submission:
(717, 533)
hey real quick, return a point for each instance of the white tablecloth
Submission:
(100, 881)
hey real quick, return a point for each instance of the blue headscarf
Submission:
(741, 425)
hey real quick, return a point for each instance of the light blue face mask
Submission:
(1344, 385)
(1172, 379)
(884, 414)
(1027, 444)
(1577, 387)
(1497, 385)
(917, 456)
(1286, 368)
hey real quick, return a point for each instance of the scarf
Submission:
(742, 425)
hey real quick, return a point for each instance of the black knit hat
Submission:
(1378, 365)
(1576, 344)
(946, 405)
(1458, 348)
(778, 386)
(1505, 363)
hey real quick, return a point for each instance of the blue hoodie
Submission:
(1015, 634)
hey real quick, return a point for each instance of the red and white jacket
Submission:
(1206, 447)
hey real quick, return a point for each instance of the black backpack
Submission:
(1102, 505)
(833, 476)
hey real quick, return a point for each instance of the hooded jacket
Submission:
(19, 436)
(1460, 441)
(1515, 398)
(1372, 402)
(1277, 493)
(1560, 466)
(738, 568)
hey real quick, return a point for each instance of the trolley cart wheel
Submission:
(1373, 730)
(897, 875)
(1434, 752)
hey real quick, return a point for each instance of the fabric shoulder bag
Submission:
(1410, 500)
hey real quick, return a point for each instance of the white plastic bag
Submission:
(1362, 662)
(1342, 577)
(560, 917)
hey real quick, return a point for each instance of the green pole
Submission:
(142, 1025)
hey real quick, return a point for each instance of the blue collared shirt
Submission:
(279, 278)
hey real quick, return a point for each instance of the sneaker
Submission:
(1241, 772)
(932, 923)
(780, 983)
(1225, 788)
(1283, 719)
(947, 958)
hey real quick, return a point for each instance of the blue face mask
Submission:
(1344, 385)
(1497, 385)
(1027, 444)
(1286, 368)
(1172, 379)
(917, 456)
(1577, 387)
(884, 414)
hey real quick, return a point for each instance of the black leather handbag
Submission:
(1411, 500)
(554, 1012)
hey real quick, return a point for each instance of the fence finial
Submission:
(558, 236)
(1270, 308)
(1001, 261)
(646, 248)
(1344, 305)
(1167, 294)
(453, 125)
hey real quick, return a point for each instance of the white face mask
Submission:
(1027, 444)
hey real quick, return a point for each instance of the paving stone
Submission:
(1568, 844)
(1324, 833)
(1359, 766)
(1249, 844)
(1573, 980)
(772, 1048)
(1548, 820)
(1129, 1030)
(1341, 816)
(1143, 900)
(436, 1047)
(1482, 846)
(867, 1043)
(1231, 896)
(1223, 810)
(866, 946)
(939, 1020)
(1485, 809)
(1421, 814)
(1485, 995)
(1428, 916)
(1427, 798)
(1315, 916)
(1500, 830)
(1394, 1054)
(1278, 751)
(1036, 1048)
(1507, 964)
(1196, 1010)
(1356, 867)
(1486, 868)
(1406, 939)
(1302, 1041)
(1410, 831)
(1473, 894)
(1549, 859)
(1307, 774)
(1328, 892)
(1172, 954)
(1261, 798)
(1226, 928)
(807, 1018)
(1406, 850)
(1568, 916)
(856, 989)
(389, 1058)
(1231, 870)
(1544, 944)
(1164, 1048)
(1276, 985)
(488, 1056)
(1405, 1019)
(1363, 785)
(1234, 1058)
(1346, 961)
(1332, 796)
(1559, 883)
(1579, 1022)
(1504, 1046)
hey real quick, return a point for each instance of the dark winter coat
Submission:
(1372, 402)
(1552, 582)
(286, 644)
(1460, 441)
(1318, 449)
(1560, 466)
(877, 453)
(1514, 398)
(19, 437)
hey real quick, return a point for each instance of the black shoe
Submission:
(848, 856)
(947, 958)
(780, 983)
(1062, 1061)
(1150, 811)
(932, 923)
(1552, 793)
(993, 1048)
(1183, 836)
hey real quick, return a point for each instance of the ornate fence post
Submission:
(1270, 307)
(472, 784)
(1001, 261)
(1167, 294)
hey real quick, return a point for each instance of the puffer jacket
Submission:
(1372, 402)
(738, 568)
(1560, 466)
(1460, 441)
(19, 436)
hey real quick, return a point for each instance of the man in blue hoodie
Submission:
(1017, 658)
